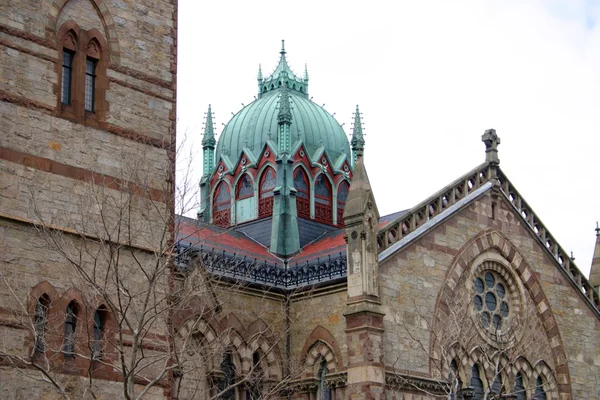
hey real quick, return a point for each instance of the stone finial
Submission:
(491, 140)
(260, 75)
(595, 270)
(305, 73)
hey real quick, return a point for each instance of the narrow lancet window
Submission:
(90, 84)
(40, 319)
(70, 326)
(67, 76)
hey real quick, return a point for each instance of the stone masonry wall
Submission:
(411, 281)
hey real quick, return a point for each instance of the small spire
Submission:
(208, 139)
(597, 230)
(358, 140)
(595, 270)
(305, 73)
(259, 76)
(491, 140)
(282, 52)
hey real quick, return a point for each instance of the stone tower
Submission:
(88, 124)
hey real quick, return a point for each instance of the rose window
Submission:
(491, 301)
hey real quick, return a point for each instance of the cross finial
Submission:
(491, 140)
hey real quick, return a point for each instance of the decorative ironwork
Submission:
(323, 212)
(267, 184)
(265, 207)
(224, 264)
(400, 381)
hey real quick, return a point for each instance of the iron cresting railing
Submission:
(251, 270)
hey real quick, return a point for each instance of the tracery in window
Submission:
(490, 301)
(40, 319)
(323, 209)
(222, 206)
(245, 188)
(303, 193)
(267, 184)
(70, 327)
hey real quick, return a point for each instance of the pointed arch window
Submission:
(225, 384)
(90, 83)
(255, 385)
(540, 393)
(497, 385)
(222, 206)
(323, 389)
(267, 185)
(40, 319)
(323, 208)
(520, 392)
(100, 317)
(303, 193)
(455, 381)
(245, 188)
(70, 328)
(476, 383)
(67, 76)
(342, 196)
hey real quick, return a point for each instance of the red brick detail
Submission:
(364, 319)
(54, 167)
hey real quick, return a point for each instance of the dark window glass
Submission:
(497, 320)
(99, 323)
(322, 192)
(245, 189)
(490, 301)
(479, 285)
(223, 199)
(256, 378)
(504, 309)
(500, 290)
(70, 325)
(540, 393)
(40, 318)
(300, 183)
(477, 383)
(478, 303)
(497, 385)
(455, 382)
(520, 392)
(343, 193)
(67, 76)
(225, 383)
(489, 279)
(485, 319)
(323, 391)
(90, 84)
(268, 183)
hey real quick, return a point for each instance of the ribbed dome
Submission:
(257, 122)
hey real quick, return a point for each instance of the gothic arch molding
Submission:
(493, 240)
(321, 344)
(108, 24)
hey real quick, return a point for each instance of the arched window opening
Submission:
(497, 385)
(255, 385)
(225, 384)
(323, 209)
(68, 58)
(341, 202)
(99, 329)
(520, 392)
(476, 383)
(222, 206)
(245, 189)
(91, 63)
(40, 319)
(303, 193)
(267, 184)
(540, 393)
(70, 327)
(323, 389)
(454, 380)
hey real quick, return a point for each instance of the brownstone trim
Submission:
(141, 76)
(510, 252)
(68, 171)
(27, 36)
(321, 334)
(103, 126)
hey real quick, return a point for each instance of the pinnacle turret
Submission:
(595, 270)
(208, 139)
(358, 140)
(283, 77)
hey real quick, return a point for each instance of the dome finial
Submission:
(282, 52)
(209, 131)
(259, 76)
(305, 73)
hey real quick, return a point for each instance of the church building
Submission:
(288, 284)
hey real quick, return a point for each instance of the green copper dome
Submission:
(257, 122)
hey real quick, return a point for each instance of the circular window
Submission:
(490, 301)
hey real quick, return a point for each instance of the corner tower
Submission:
(282, 166)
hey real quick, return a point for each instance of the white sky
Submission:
(429, 78)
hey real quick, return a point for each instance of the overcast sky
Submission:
(429, 78)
